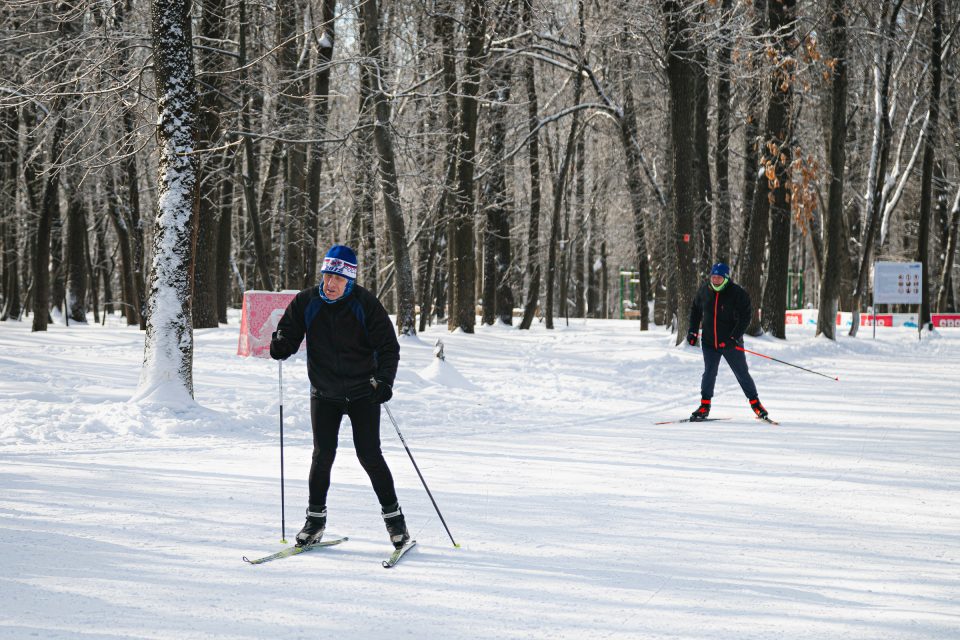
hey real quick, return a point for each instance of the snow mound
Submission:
(443, 373)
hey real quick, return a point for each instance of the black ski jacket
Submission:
(724, 314)
(348, 341)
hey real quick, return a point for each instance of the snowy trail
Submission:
(578, 518)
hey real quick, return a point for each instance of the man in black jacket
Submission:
(352, 357)
(723, 308)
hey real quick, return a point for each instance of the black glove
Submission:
(382, 391)
(280, 347)
(692, 338)
(734, 341)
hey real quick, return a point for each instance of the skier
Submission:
(352, 357)
(724, 308)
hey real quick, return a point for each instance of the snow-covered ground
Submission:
(577, 516)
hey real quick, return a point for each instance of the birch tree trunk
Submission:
(167, 374)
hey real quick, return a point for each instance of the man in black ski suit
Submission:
(723, 307)
(352, 357)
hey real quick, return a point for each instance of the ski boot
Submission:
(396, 525)
(758, 408)
(313, 528)
(702, 411)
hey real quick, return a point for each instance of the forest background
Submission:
(506, 161)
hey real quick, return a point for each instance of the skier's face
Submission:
(333, 285)
(717, 280)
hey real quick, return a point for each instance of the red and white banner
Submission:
(262, 311)
(808, 317)
(945, 320)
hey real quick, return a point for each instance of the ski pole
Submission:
(424, 482)
(283, 519)
(787, 363)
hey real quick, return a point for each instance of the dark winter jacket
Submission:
(348, 341)
(724, 314)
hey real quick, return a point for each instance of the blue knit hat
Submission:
(720, 269)
(341, 260)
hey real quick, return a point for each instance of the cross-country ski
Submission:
(398, 553)
(296, 550)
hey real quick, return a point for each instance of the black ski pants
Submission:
(738, 363)
(326, 417)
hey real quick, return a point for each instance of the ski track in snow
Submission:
(578, 517)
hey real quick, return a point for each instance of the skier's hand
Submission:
(382, 391)
(280, 347)
(692, 338)
(733, 342)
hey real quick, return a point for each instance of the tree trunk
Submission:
(721, 224)
(532, 299)
(127, 273)
(167, 374)
(464, 314)
(930, 142)
(49, 209)
(834, 249)
(879, 156)
(212, 164)
(101, 274)
(559, 189)
(704, 197)
(9, 172)
(74, 257)
(751, 145)
(406, 314)
(293, 117)
(321, 111)
(683, 84)
(250, 174)
(579, 240)
(783, 17)
(497, 294)
(225, 236)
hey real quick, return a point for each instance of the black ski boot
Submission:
(758, 408)
(313, 528)
(702, 411)
(396, 525)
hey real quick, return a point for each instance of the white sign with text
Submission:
(897, 282)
